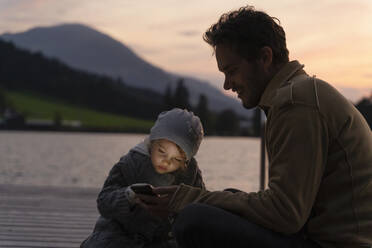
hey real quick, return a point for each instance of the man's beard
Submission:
(255, 93)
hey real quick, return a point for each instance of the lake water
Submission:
(84, 159)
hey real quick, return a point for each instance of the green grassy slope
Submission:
(36, 107)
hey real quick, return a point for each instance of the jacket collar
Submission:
(285, 73)
(143, 147)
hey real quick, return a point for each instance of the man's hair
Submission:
(247, 30)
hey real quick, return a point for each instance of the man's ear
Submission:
(266, 57)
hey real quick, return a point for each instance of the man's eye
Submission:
(161, 151)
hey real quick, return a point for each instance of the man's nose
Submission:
(227, 84)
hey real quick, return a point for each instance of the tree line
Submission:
(226, 122)
(27, 71)
(22, 70)
(365, 108)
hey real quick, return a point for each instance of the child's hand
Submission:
(166, 190)
(131, 196)
(158, 205)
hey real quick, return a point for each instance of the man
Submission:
(319, 148)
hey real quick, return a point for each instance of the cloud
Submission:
(188, 33)
(145, 49)
(354, 94)
(187, 46)
(17, 16)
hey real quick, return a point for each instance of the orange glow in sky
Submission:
(331, 37)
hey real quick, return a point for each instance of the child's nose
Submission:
(166, 161)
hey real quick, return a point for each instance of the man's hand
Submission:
(158, 205)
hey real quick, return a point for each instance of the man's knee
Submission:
(190, 221)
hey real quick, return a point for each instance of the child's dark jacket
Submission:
(124, 225)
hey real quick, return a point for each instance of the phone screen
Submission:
(144, 189)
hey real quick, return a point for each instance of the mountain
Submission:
(86, 49)
(32, 73)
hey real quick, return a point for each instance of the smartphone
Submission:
(143, 189)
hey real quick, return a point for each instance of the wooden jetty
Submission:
(44, 216)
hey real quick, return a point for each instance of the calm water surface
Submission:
(84, 159)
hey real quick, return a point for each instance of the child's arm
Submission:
(113, 203)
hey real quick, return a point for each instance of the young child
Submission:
(165, 157)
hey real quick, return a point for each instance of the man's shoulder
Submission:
(302, 90)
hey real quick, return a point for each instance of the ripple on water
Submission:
(85, 159)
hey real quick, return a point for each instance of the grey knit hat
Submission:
(181, 127)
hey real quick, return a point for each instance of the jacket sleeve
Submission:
(298, 145)
(113, 204)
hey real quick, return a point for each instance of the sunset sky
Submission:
(333, 38)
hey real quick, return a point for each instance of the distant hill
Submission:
(22, 70)
(87, 49)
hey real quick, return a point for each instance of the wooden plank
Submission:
(73, 226)
(40, 239)
(46, 201)
(39, 244)
(81, 218)
(60, 214)
(68, 192)
(60, 210)
(43, 216)
(42, 235)
(31, 246)
(55, 232)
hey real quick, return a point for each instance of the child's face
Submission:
(166, 157)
